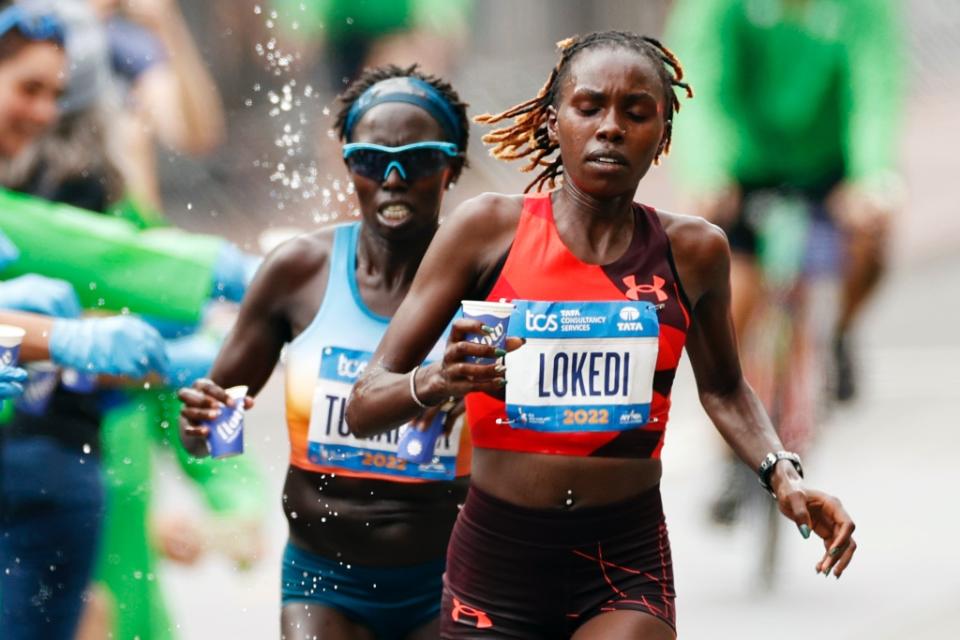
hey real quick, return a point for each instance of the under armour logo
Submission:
(636, 289)
(480, 619)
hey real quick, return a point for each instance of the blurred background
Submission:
(888, 453)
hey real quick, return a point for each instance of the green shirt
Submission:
(795, 92)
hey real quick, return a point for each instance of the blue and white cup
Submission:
(495, 315)
(11, 338)
(418, 446)
(42, 380)
(226, 430)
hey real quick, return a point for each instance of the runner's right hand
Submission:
(454, 377)
(201, 403)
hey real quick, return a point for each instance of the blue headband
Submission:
(34, 25)
(413, 91)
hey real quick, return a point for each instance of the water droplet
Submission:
(86, 448)
(293, 515)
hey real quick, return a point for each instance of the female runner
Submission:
(368, 530)
(563, 533)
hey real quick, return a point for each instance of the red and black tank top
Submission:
(540, 267)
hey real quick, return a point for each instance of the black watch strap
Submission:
(770, 461)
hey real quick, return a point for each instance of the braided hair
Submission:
(527, 137)
(372, 76)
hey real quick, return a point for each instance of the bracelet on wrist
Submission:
(769, 462)
(413, 389)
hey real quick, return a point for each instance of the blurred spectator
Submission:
(168, 93)
(802, 95)
(347, 35)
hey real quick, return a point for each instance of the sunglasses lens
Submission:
(420, 163)
(368, 163)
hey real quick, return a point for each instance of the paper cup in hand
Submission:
(11, 338)
(226, 430)
(417, 446)
(495, 315)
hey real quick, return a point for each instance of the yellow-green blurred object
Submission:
(112, 264)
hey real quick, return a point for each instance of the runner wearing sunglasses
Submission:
(368, 530)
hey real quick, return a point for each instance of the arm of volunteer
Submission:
(109, 262)
(381, 398)
(36, 342)
(252, 348)
(178, 95)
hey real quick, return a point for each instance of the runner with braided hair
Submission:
(528, 136)
(562, 533)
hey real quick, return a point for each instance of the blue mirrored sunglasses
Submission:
(412, 161)
(32, 26)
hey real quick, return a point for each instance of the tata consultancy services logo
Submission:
(541, 321)
(629, 317)
(629, 314)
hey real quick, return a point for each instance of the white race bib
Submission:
(585, 366)
(330, 443)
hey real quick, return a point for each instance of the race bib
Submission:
(585, 366)
(330, 443)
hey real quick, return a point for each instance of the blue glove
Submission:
(39, 294)
(8, 251)
(191, 358)
(118, 346)
(233, 271)
(11, 382)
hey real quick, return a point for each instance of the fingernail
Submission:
(826, 573)
(502, 382)
(500, 368)
(834, 551)
(804, 531)
(487, 329)
(499, 352)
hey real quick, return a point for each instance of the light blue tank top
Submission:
(322, 364)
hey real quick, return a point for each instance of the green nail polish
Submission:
(502, 382)
(835, 551)
(826, 573)
(487, 329)
(499, 352)
(804, 531)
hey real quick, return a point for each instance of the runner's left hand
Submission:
(822, 514)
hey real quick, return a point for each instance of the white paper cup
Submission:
(11, 338)
(495, 315)
(226, 430)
